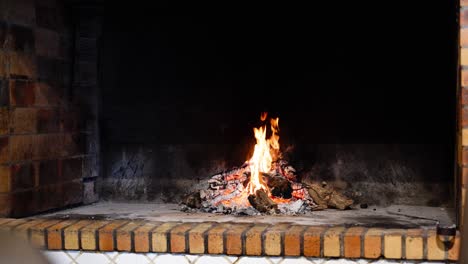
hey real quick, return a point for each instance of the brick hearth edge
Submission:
(238, 239)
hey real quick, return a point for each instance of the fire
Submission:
(265, 151)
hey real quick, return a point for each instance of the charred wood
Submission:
(262, 202)
(279, 186)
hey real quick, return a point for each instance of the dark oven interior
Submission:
(364, 98)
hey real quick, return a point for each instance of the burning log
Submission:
(262, 202)
(327, 197)
(265, 183)
(279, 186)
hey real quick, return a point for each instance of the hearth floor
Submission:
(394, 232)
(395, 216)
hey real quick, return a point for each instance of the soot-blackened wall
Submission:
(365, 100)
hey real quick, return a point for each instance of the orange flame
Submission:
(265, 151)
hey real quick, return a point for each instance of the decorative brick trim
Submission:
(238, 239)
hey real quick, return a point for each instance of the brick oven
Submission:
(114, 115)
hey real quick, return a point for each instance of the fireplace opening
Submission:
(164, 131)
(359, 108)
(151, 109)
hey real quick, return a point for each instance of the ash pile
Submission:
(280, 192)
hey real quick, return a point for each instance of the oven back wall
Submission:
(365, 109)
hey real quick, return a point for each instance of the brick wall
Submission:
(43, 136)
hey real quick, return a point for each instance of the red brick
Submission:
(106, 235)
(4, 89)
(352, 242)
(464, 117)
(197, 238)
(142, 236)
(71, 169)
(178, 235)
(23, 121)
(50, 197)
(253, 240)
(71, 234)
(22, 93)
(454, 250)
(55, 232)
(4, 120)
(5, 205)
(332, 242)
(3, 66)
(292, 240)
(465, 156)
(23, 203)
(393, 241)
(464, 95)
(48, 172)
(4, 149)
(22, 65)
(464, 180)
(5, 179)
(435, 247)
(216, 238)
(22, 176)
(21, 148)
(463, 56)
(47, 120)
(463, 2)
(23, 231)
(88, 235)
(48, 94)
(234, 243)
(8, 226)
(160, 236)
(464, 17)
(414, 243)
(463, 43)
(373, 243)
(124, 235)
(312, 237)
(70, 121)
(48, 146)
(38, 238)
(272, 244)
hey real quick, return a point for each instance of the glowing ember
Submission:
(266, 151)
(265, 183)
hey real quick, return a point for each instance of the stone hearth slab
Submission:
(164, 229)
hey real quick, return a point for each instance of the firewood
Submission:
(279, 186)
(262, 202)
(339, 201)
(327, 197)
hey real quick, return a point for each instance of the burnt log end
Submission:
(280, 187)
(262, 202)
